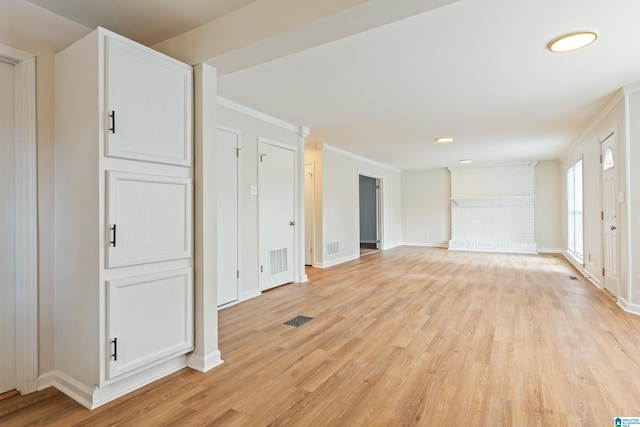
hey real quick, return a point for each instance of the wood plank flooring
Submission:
(405, 337)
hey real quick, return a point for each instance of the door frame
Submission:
(611, 134)
(379, 204)
(26, 210)
(297, 253)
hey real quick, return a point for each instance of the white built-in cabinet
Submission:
(124, 217)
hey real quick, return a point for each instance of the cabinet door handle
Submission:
(112, 116)
(113, 242)
(115, 349)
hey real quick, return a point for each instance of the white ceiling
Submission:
(477, 70)
(145, 21)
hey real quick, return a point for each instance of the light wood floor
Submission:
(404, 337)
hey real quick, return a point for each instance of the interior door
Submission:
(309, 206)
(228, 275)
(610, 214)
(277, 214)
(7, 236)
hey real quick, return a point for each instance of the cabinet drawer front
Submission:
(148, 105)
(149, 218)
(149, 318)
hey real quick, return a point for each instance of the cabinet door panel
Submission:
(149, 218)
(150, 97)
(149, 318)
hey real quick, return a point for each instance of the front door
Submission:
(610, 214)
(277, 214)
(7, 235)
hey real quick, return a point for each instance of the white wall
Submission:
(548, 206)
(426, 207)
(588, 148)
(632, 211)
(43, 34)
(251, 128)
(340, 221)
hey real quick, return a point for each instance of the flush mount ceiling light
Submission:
(571, 42)
(465, 161)
(444, 140)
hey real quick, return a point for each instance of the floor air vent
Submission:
(297, 321)
(573, 278)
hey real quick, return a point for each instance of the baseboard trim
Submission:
(594, 281)
(335, 262)
(247, 295)
(206, 363)
(427, 245)
(98, 396)
(628, 306)
(549, 251)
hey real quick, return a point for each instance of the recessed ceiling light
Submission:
(465, 161)
(571, 42)
(444, 139)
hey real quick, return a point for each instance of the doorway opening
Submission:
(369, 214)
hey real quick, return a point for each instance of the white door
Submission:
(610, 214)
(228, 275)
(148, 106)
(277, 215)
(309, 206)
(7, 237)
(149, 218)
(149, 318)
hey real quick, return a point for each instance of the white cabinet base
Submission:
(92, 398)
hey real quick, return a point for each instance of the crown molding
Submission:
(619, 96)
(329, 147)
(303, 131)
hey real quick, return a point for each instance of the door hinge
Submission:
(602, 271)
(600, 158)
(261, 269)
(237, 151)
(262, 157)
(237, 274)
(601, 214)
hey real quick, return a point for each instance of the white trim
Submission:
(334, 262)
(549, 250)
(91, 398)
(629, 89)
(628, 306)
(580, 267)
(247, 295)
(531, 163)
(424, 244)
(329, 147)
(26, 211)
(243, 109)
(204, 364)
(619, 95)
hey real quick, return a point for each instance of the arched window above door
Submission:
(607, 160)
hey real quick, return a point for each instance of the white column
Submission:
(206, 354)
